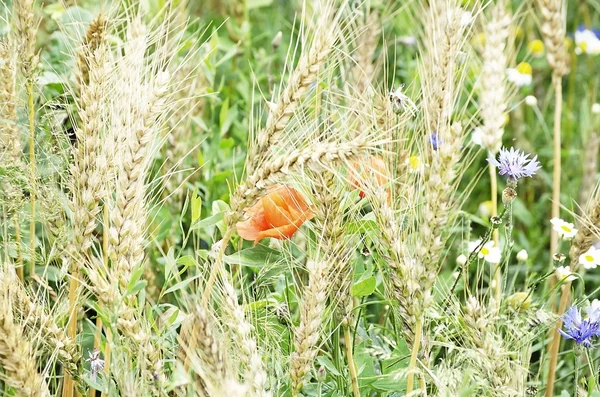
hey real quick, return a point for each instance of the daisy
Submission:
(564, 229)
(564, 273)
(587, 42)
(590, 259)
(489, 252)
(521, 75)
(415, 164)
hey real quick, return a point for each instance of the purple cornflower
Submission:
(515, 163)
(435, 140)
(579, 329)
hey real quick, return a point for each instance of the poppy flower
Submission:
(372, 168)
(279, 214)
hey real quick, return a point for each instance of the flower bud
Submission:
(461, 260)
(321, 374)
(522, 256)
(531, 101)
(596, 108)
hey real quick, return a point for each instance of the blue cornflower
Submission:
(435, 140)
(581, 330)
(515, 163)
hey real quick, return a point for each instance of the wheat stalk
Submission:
(493, 84)
(207, 356)
(89, 171)
(10, 140)
(309, 65)
(307, 334)
(255, 376)
(17, 356)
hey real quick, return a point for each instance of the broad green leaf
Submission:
(364, 287)
(254, 257)
(137, 287)
(210, 221)
(196, 206)
(329, 365)
(135, 276)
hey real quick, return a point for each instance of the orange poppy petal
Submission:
(249, 229)
(280, 233)
(276, 210)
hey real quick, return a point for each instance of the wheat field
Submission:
(299, 198)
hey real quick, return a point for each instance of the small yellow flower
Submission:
(414, 164)
(536, 47)
(524, 68)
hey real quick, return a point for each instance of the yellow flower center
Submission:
(524, 68)
(414, 162)
(536, 47)
(566, 229)
(589, 258)
(485, 251)
(583, 46)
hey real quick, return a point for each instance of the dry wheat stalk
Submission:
(207, 355)
(364, 70)
(307, 334)
(10, 140)
(255, 376)
(94, 38)
(493, 83)
(306, 72)
(26, 28)
(90, 162)
(553, 31)
(127, 232)
(40, 322)
(17, 356)
(588, 231)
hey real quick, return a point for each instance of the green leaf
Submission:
(210, 221)
(180, 285)
(329, 365)
(187, 261)
(196, 206)
(137, 287)
(135, 276)
(364, 287)
(254, 257)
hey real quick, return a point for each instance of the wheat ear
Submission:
(17, 356)
(307, 334)
(89, 174)
(11, 149)
(309, 65)
(25, 38)
(255, 376)
(206, 356)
